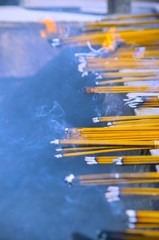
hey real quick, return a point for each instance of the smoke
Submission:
(55, 111)
(42, 122)
(53, 117)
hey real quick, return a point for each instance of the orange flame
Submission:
(110, 40)
(43, 34)
(50, 26)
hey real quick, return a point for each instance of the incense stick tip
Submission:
(111, 197)
(66, 130)
(117, 175)
(55, 42)
(82, 66)
(84, 74)
(56, 141)
(95, 120)
(58, 155)
(132, 219)
(69, 179)
(130, 213)
(118, 161)
(91, 162)
(157, 168)
(99, 77)
(89, 90)
(58, 149)
(109, 124)
(131, 225)
(113, 189)
(89, 158)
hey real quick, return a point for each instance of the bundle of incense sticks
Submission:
(112, 38)
(129, 234)
(113, 178)
(105, 24)
(127, 79)
(114, 193)
(123, 89)
(117, 119)
(143, 217)
(117, 63)
(125, 17)
(111, 64)
(142, 101)
(123, 53)
(120, 161)
(126, 74)
(128, 36)
(144, 226)
(124, 133)
(136, 52)
(79, 151)
(118, 21)
(125, 57)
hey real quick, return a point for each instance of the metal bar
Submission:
(119, 6)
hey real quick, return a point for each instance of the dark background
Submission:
(9, 2)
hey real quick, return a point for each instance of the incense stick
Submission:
(142, 216)
(142, 101)
(113, 178)
(122, 17)
(125, 160)
(129, 234)
(129, 79)
(123, 89)
(104, 24)
(122, 118)
(114, 193)
(125, 133)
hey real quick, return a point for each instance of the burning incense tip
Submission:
(69, 179)
(56, 141)
(58, 156)
(95, 120)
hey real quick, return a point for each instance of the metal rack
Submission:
(119, 6)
